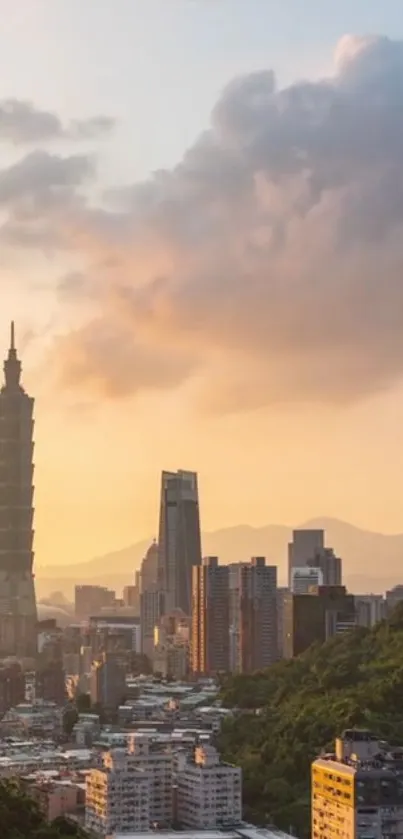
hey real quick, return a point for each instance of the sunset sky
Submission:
(202, 248)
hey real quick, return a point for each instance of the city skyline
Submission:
(194, 271)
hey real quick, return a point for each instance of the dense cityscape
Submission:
(143, 712)
(201, 224)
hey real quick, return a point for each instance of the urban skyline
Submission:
(137, 312)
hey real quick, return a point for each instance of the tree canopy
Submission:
(21, 818)
(289, 713)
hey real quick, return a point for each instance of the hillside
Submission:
(372, 561)
(303, 705)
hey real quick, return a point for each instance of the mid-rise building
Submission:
(258, 645)
(90, 600)
(209, 793)
(357, 792)
(107, 681)
(179, 541)
(18, 614)
(210, 618)
(132, 789)
(315, 617)
(370, 609)
(171, 646)
(117, 796)
(12, 685)
(303, 578)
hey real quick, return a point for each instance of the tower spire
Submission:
(12, 364)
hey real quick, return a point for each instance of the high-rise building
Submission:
(148, 575)
(357, 792)
(210, 618)
(179, 542)
(234, 615)
(307, 550)
(315, 617)
(150, 610)
(18, 615)
(258, 645)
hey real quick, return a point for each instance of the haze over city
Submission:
(201, 248)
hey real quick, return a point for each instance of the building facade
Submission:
(132, 789)
(209, 792)
(307, 550)
(258, 644)
(210, 618)
(315, 617)
(357, 792)
(18, 614)
(179, 541)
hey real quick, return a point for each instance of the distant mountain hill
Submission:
(371, 561)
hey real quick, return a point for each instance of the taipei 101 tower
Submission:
(18, 618)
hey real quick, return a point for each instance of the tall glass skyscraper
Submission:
(179, 542)
(18, 618)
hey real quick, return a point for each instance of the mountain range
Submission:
(372, 562)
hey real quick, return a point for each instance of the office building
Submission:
(258, 645)
(90, 600)
(179, 542)
(209, 792)
(315, 617)
(18, 615)
(210, 618)
(303, 578)
(148, 575)
(307, 549)
(357, 792)
(107, 682)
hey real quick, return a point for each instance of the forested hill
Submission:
(291, 711)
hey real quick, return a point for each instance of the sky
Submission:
(201, 219)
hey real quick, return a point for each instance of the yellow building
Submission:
(357, 792)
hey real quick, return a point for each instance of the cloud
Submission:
(22, 123)
(268, 264)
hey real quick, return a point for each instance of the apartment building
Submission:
(209, 793)
(357, 792)
(117, 796)
(133, 783)
(258, 646)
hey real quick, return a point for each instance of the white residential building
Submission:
(133, 783)
(209, 792)
(117, 796)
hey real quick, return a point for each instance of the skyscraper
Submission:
(210, 618)
(258, 647)
(307, 550)
(179, 542)
(17, 592)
